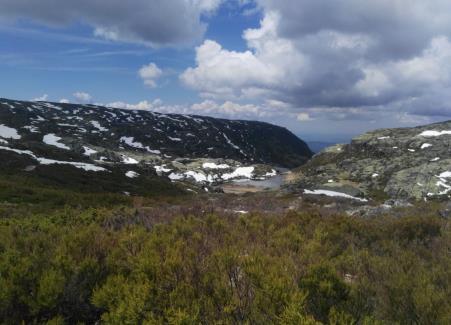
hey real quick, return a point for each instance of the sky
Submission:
(326, 70)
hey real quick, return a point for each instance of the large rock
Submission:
(412, 163)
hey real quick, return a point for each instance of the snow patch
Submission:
(426, 145)
(161, 169)
(175, 176)
(128, 160)
(98, 126)
(209, 165)
(272, 173)
(52, 140)
(433, 133)
(239, 172)
(32, 129)
(333, 194)
(88, 151)
(46, 161)
(9, 133)
(130, 141)
(131, 174)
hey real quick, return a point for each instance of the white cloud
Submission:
(270, 63)
(42, 98)
(64, 101)
(142, 105)
(82, 97)
(149, 74)
(154, 23)
(304, 117)
(327, 61)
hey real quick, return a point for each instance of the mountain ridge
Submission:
(178, 147)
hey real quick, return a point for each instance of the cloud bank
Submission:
(337, 59)
(152, 22)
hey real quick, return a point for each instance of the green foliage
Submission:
(325, 291)
(117, 266)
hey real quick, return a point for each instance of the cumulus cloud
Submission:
(304, 117)
(142, 105)
(271, 62)
(82, 97)
(149, 73)
(337, 60)
(42, 98)
(154, 22)
(208, 107)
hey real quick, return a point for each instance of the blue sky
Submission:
(58, 61)
(325, 70)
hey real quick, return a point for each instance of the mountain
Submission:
(402, 163)
(102, 142)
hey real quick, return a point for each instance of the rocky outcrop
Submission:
(404, 163)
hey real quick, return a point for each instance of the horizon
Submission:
(321, 71)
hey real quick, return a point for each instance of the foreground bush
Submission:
(299, 268)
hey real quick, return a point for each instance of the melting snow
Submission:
(52, 140)
(272, 173)
(175, 177)
(52, 106)
(129, 160)
(239, 172)
(198, 177)
(88, 151)
(162, 169)
(32, 129)
(209, 165)
(131, 174)
(9, 105)
(98, 126)
(432, 133)
(130, 141)
(8, 133)
(443, 182)
(333, 194)
(435, 159)
(174, 139)
(426, 145)
(383, 138)
(45, 161)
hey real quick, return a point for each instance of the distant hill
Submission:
(41, 138)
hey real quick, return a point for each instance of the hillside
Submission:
(129, 146)
(402, 163)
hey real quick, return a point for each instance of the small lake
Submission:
(274, 182)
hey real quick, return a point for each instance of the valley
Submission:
(105, 213)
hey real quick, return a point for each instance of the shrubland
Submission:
(73, 257)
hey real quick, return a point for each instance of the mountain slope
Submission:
(412, 163)
(137, 143)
